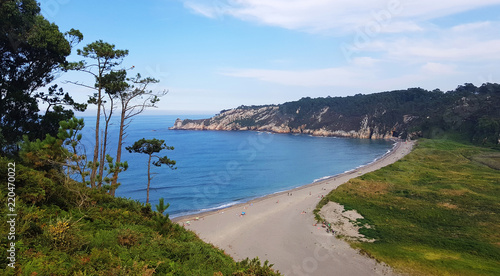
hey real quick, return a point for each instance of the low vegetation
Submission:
(435, 212)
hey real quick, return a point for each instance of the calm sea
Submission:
(216, 169)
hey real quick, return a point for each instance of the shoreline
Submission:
(281, 228)
(320, 181)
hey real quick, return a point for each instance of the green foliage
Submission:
(70, 133)
(58, 153)
(434, 212)
(487, 131)
(110, 168)
(148, 146)
(254, 267)
(47, 154)
(490, 159)
(115, 82)
(161, 207)
(104, 53)
(64, 235)
(32, 50)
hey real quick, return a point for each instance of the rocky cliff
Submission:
(324, 122)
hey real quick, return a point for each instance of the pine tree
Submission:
(151, 147)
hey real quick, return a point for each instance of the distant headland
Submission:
(468, 111)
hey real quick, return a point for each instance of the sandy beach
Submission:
(281, 228)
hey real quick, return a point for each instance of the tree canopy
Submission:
(32, 50)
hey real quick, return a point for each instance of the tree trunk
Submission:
(118, 152)
(96, 147)
(104, 145)
(149, 178)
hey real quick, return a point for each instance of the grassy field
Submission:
(435, 212)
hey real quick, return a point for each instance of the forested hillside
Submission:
(468, 112)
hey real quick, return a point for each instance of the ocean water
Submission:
(216, 169)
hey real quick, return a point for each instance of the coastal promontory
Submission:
(468, 110)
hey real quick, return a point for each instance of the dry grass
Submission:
(448, 205)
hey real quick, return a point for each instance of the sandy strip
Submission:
(281, 228)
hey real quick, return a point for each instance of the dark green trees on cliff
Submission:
(468, 111)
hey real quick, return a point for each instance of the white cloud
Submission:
(471, 27)
(402, 26)
(428, 9)
(477, 42)
(455, 53)
(448, 49)
(438, 68)
(357, 78)
(394, 29)
(364, 61)
(308, 78)
(206, 11)
(336, 16)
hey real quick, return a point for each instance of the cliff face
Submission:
(324, 122)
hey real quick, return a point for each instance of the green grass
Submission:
(435, 212)
(490, 159)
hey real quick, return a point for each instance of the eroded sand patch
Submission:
(344, 222)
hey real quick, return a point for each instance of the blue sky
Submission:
(219, 54)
